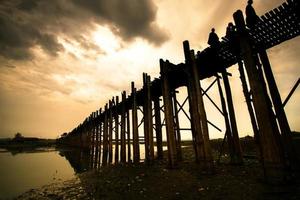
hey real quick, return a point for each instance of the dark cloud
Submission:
(28, 23)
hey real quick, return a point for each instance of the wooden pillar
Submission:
(148, 121)
(158, 128)
(97, 138)
(271, 147)
(197, 110)
(135, 131)
(151, 141)
(128, 137)
(177, 127)
(238, 157)
(280, 113)
(123, 116)
(100, 137)
(228, 133)
(92, 145)
(105, 137)
(116, 117)
(248, 102)
(110, 133)
(167, 98)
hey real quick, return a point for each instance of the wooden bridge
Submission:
(117, 124)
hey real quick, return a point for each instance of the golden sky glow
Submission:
(51, 93)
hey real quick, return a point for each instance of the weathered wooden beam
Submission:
(135, 130)
(128, 137)
(197, 110)
(123, 125)
(110, 133)
(177, 127)
(105, 137)
(271, 148)
(150, 118)
(116, 117)
(100, 138)
(158, 127)
(168, 110)
(96, 140)
(228, 133)
(280, 113)
(237, 156)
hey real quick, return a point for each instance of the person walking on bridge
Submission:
(213, 39)
(251, 16)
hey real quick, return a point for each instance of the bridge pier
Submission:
(105, 137)
(128, 137)
(237, 152)
(135, 130)
(272, 152)
(123, 126)
(177, 126)
(158, 127)
(170, 132)
(198, 116)
(116, 119)
(110, 133)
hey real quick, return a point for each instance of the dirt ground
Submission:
(187, 181)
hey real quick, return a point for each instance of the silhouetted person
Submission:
(251, 17)
(230, 30)
(213, 39)
(230, 35)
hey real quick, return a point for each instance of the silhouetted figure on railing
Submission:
(230, 30)
(251, 17)
(213, 39)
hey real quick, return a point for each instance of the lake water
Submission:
(20, 172)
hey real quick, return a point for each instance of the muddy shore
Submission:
(187, 181)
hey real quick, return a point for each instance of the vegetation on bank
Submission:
(21, 142)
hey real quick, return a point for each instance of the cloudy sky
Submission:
(62, 59)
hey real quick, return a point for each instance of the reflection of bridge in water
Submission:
(118, 122)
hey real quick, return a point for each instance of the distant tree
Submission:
(18, 136)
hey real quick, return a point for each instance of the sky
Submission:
(60, 60)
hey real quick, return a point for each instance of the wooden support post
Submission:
(116, 116)
(100, 138)
(150, 118)
(237, 157)
(280, 113)
(249, 105)
(97, 139)
(135, 131)
(197, 110)
(158, 127)
(92, 144)
(123, 142)
(128, 137)
(105, 137)
(148, 124)
(110, 133)
(177, 127)
(228, 133)
(167, 98)
(271, 147)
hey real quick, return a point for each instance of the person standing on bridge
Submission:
(251, 16)
(213, 39)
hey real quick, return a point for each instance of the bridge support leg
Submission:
(148, 121)
(110, 131)
(105, 137)
(280, 113)
(100, 139)
(169, 116)
(271, 148)
(128, 136)
(197, 110)
(177, 127)
(237, 157)
(116, 118)
(228, 133)
(123, 142)
(158, 127)
(135, 130)
(97, 140)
